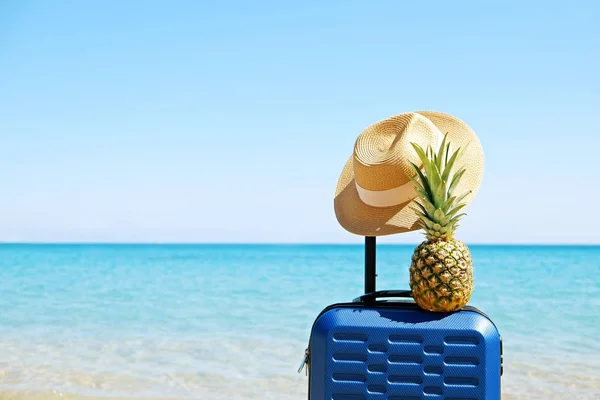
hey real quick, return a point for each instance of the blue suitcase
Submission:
(376, 347)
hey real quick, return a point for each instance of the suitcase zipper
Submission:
(305, 361)
(405, 305)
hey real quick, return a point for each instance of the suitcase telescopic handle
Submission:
(383, 294)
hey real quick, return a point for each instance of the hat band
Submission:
(389, 197)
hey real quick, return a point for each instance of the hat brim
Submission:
(365, 220)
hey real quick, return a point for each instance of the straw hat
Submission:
(374, 192)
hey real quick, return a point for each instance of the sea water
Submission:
(232, 321)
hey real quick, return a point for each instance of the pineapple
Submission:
(441, 272)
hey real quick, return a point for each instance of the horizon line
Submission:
(182, 243)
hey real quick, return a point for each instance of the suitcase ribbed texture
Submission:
(396, 354)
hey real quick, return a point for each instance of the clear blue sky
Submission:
(181, 121)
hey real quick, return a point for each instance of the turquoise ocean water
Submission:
(232, 321)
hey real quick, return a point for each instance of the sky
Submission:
(230, 121)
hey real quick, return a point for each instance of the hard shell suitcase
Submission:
(376, 347)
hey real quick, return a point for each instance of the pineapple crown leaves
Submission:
(438, 206)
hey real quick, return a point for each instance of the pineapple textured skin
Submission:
(441, 275)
